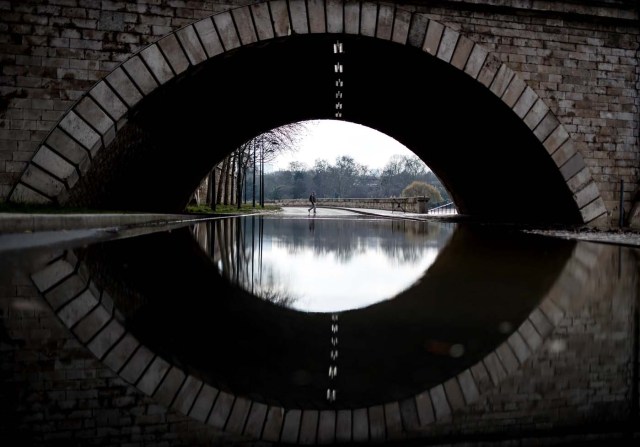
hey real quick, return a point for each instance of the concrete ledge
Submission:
(26, 222)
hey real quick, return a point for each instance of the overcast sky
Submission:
(329, 139)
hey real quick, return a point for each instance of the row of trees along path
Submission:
(240, 176)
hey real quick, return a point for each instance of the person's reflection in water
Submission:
(312, 224)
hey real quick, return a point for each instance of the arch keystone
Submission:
(316, 16)
(335, 16)
(298, 10)
(351, 17)
(368, 19)
(280, 17)
(385, 22)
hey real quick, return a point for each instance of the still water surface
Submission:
(350, 312)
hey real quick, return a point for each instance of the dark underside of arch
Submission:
(485, 155)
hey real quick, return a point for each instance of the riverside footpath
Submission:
(96, 226)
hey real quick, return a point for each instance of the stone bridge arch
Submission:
(116, 115)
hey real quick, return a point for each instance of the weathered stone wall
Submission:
(582, 59)
(55, 392)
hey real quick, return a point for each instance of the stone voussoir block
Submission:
(209, 37)
(401, 26)
(80, 131)
(227, 31)
(106, 338)
(368, 18)
(440, 403)
(53, 274)
(174, 54)
(468, 386)
(255, 420)
(317, 16)
(432, 38)
(501, 81)
(203, 403)
(377, 429)
(593, 210)
(135, 366)
(187, 394)
(246, 29)
(476, 60)
(454, 394)
(327, 427)
(152, 377)
(191, 44)
(24, 194)
(352, 17)
(94, 115)
(448, 44)
(273, 424)
(385, 22)
(238, 416)
(462, 52)
(298, 11)
(335, 15)
(393, 420)
(78, 308)
(169, 387)
(124, 87)
(417, 30)
(106, 98)
(158, 65)
(343, 426)
(280, 18)
(50, 161)
(140, 75)
(221, 410)
(360, 429)
(42, 181)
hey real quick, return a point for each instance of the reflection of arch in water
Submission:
(89, 313)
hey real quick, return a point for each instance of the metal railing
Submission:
(446, 208)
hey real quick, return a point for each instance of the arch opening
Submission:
(486, 156)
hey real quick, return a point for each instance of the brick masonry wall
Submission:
(55, 392)
(582, 59)
(586, 69)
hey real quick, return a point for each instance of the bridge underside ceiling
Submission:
(485, 155)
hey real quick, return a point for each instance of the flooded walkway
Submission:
(174, 335)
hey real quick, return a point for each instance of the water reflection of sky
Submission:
(327, 265)
(322, 283)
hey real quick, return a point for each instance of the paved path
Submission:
(135, 223)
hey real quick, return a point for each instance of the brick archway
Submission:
(93, 122)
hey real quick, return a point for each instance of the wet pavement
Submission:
(164, 335)
(27, 223)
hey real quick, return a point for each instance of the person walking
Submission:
(312, 199)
